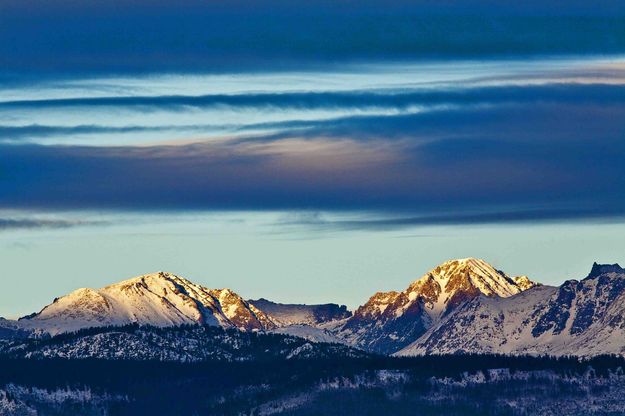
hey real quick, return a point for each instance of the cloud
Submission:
(33, 132)
(316, 221)
(356, 114)
(7, 224)
(485, 159)
(217, 134)
(532, 122)
(375, 98)
(470, 148)
(136, 37)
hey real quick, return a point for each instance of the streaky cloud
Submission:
(34, 223)
(477, 165)
(378, 221)
(568, 111)
(13, 134)
(393, 98)
(542, 121)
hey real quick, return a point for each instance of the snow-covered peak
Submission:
(159, 299)
(156, 282)
(455, 281)
(391, 320)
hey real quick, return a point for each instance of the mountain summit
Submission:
(158, 299)
(391, 320)
(455, 281)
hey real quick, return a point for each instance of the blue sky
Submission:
(310, 153)
(284, 256)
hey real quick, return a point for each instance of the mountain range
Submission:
(585, 317)
(461, 306)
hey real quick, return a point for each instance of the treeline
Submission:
(215, 331)
(217, 387)
(114, 374)
(185, 343)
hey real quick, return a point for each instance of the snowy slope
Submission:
(158, 299)
(390, 321)
(584, 317)
(309, 332)
(10, 329)
(305, 321)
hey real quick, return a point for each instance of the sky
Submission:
(310, 152)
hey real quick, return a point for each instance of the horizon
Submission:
(295, 302)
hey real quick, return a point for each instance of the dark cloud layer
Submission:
(569, 155)
(471, 153)
(91, 36)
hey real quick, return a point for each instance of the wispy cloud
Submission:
(361, 114)
(501, 157)
(379, 221)
(34, 223)
(376, 98)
